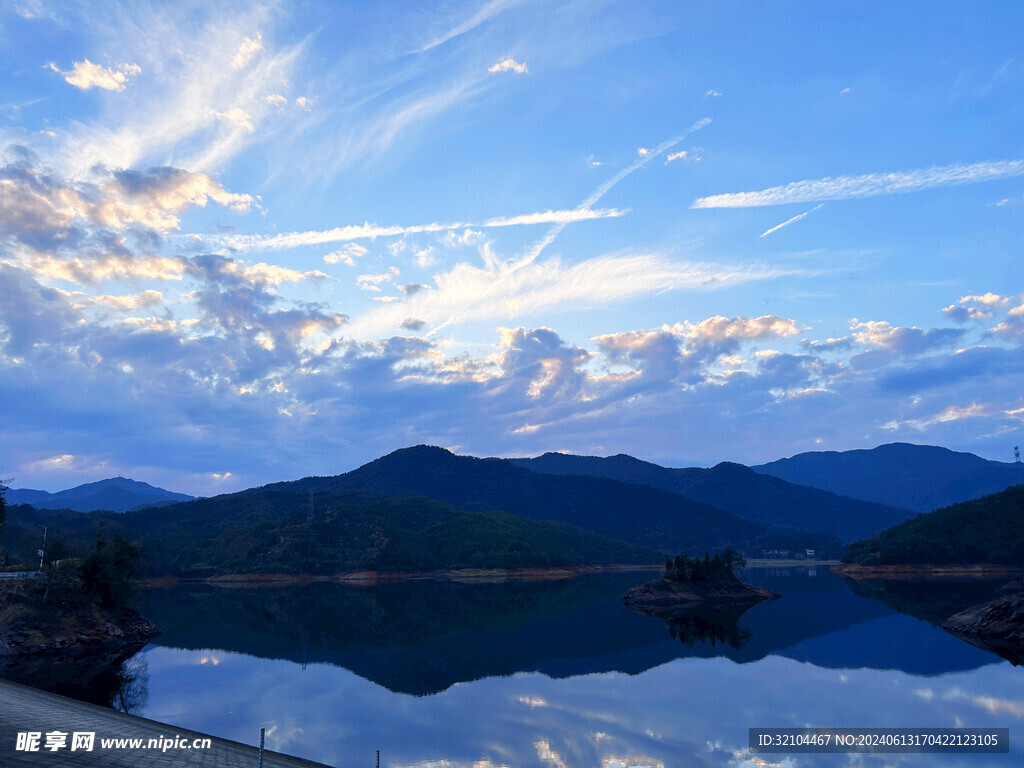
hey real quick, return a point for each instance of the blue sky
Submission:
(242, 243)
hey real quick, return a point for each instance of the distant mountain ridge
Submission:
(919, 477)
(116, 494)
(738, 490)
(637, 513)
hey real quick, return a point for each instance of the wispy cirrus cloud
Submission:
(868, 185)
(793, 220)
(484, 13)
(646, 155)
(499, 290)
(368, 231)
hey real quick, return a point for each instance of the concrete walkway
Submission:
(29, 710)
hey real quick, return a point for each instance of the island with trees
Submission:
(689, 582)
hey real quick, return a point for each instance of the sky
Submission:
(244, 242)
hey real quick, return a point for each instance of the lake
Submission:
(561, 675)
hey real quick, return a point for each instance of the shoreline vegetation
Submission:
(935, 571)
(373, 578)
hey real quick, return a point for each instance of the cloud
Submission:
(508, 64)
(425, 257)
(501, 290)
(237, 117)
(46, 213)
(346, 255)
(712, 92)
(869, 185)
(553, 217)
(673, 156)
(976, 307)
(247, 50)
(180, 116)
(793, 220)
(85, 75)
(276, 100)
(535, 250)
(373, 282)
(368, 231)
(468, 237)
(845, 90)
(413, 324)
(304, 103)
(484, 13)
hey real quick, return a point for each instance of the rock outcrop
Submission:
(666, 598)
(997, 625)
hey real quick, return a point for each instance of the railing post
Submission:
(263, 733)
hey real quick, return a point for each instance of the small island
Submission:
(690, 582)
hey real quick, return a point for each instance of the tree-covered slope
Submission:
(268, 532)
(985, 530)
(646, 516)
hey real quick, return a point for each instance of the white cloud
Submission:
(172, 119)
(793, 220)
(508, 64)
(373, 282)
(712, 92)
(85, 75)
(847, 89)
(370, 231)
(673, 156)
(238, 117)
(643, 151)
(304, 102)
(469, 237)
(869, 185)
(553, 217)
(247, 50)
(425, 257)
(502, 291)
(346, 255)
(276, 100)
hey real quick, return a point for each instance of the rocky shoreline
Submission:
(997, 625)
(126, 628)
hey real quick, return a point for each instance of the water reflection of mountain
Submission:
(420, 638)
(932, 600)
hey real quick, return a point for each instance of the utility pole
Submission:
(43, 550)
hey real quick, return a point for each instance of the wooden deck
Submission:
(29, 710)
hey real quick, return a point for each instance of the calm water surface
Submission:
(560, 675)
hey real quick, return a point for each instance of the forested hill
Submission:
(268, 532)
(737, 490)
(643, 515)
(919, 477)
(985, 530)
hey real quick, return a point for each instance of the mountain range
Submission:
(116, 494)
(426, 508)
(738, 490)
(918, 477)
